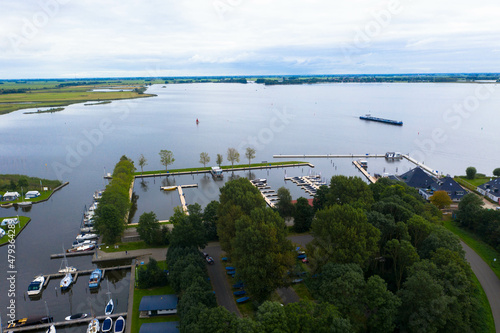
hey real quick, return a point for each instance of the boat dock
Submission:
(310, 184)
(270, 196)
(85, 272)
(424, 167)
(370, 178)
(72, 254)
(64, 323)
(331, 156)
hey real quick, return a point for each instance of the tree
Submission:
(342, 235)
(349, 190)
(321, 198)
(303, 215)
(189, 230)
(496, 172)
(469, 208)
(441, 199)
(204, 159)
(167, 158)
(151, 275)
(149, 228)
(109, 223)
(233, 155)
(470, 172)
(220, 159)
(261, 252)
(284, 205)
(403, 255)
(380, 306)
(250, 154)
(210, 220)
(418, 228)
(22, 182)
(142, 162)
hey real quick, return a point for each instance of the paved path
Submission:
(141, 255)
(217, 273)
(489, 281)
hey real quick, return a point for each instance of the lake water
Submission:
(447, 126)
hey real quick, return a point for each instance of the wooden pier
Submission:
(62, 323)
(268, 195)
(305, 181)
(424, 167)
(72, 254)
(370, 178)
(331, 156)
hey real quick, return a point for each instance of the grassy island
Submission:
(23, 184)
(23, 221)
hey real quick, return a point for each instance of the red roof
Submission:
(308, 200)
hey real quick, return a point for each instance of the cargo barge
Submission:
(382, 120)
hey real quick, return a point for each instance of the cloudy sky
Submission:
(90, 38)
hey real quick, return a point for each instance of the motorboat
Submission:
(31, 320)
(82, 243)
(95, 278)
(119, 325)
(84, 237)
(66, 281)
(109, 307)
(76, 316)
(82, 248)
(98, 195)
(169, 188)
(64, 268)
(52, 329)
(36, 285)
(93, 326)
(107, 325)
(25, 204)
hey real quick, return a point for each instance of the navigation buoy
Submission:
(197, 121)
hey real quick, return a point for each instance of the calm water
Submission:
(81, 143)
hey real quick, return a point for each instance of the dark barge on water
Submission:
(382, 120)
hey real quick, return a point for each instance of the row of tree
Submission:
(471, 172)
(109, 219)
(167, 157)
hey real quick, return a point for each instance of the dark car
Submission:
(210, 260)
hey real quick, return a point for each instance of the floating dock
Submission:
(382, 120)
(424, 167)
(370, 178)
(64, 323)
(72, 254)
(310, 184)
(84, 272)
(268, 195)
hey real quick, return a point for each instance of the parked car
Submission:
(210, 260)
(305, 260)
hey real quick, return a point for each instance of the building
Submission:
(491, 189)
(427, 185)
(158, 305)
(164, 327)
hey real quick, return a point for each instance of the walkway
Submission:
(489, 281)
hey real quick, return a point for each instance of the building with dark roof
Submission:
(158, 305)
(418, 178)
(491, 189)
(165, 327)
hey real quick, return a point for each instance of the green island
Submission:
(51, 110)
(23, 221)
(223, 167)
(23, 184)
(24, 94)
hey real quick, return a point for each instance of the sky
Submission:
(157, 38)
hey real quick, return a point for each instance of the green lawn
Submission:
(485, 251)
(485, 309)
(23, 220)
(138, 294)
(476, 181)
(224, 167)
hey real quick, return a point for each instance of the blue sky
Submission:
(70, 38)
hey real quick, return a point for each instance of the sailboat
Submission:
(110, 307)
(64, 268)
(66, 281)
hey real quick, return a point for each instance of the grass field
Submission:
(23, 220)
(43, 94)
(139, 293)
(33, 182)
(224, 167)
(43, 196)
(476, 181)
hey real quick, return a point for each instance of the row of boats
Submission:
(93, 326)
(107, 325)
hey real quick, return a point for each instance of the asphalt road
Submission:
(489, 281)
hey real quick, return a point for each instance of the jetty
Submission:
(64, 323)
(84, 272)
(72, 254)
(270, 196)
(424, 167)
(331, 156)
(310, 184)
(365, 173)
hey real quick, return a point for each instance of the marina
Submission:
(310, 184)
(270, 196)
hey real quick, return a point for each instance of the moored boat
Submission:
(84, 237)
(95, 278)
(109, 307)
(82, 248)
(52, 329)
(76, 316)
(93, 326)
(119, 325)
(66, 281)
(36, 285)
(31, 320)
(107, 325)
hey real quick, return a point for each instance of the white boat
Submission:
(64, 268)
(93, 326)
(82, 248)
(109, 307)
(86, 236)
(25, 203)
(66, 281)
(98, 195)
(120, 325)
(76, 316)
(36, 285)
(85, 242)
(107, 325)
(52, 329)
